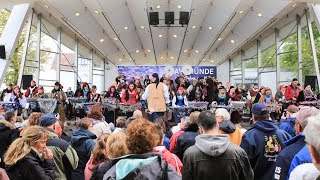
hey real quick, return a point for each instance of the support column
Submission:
(259, 61)
(315, 12)
(278, 67)
(25, 49)
(38, 47)
(243, 68)
(299, 43)
(91, 68)
(104, 75)
(313, 48)
(59, 55)
(75, 64)
(11, 34)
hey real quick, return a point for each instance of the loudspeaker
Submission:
(184, 18)
(26, 79)
(311, 80)
(154, 18)
(169, 17)
(2, 52)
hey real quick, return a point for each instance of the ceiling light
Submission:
(137, 51)
(269, 57)
(142, 27)
(259, 14)
(120, 59)
(197, 51)
(232, 41)
(171, 57)
(185, 50)
(194, 27)
(210, 28)
(125, 28)
(149, 50)
(293, 5)
(212, 61)
(179, 6)
(160, 35)
(175, 36)
(161, 57)
(97, 12)
(219, 39)
(158, 6)
(101, 40)
(115, 39)
(77, 14)
(241, 12)
(46, 6)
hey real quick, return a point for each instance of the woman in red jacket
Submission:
(130, 95)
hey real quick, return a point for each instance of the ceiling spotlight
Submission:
(120, 59)
(46, 6)
(194, 27)
(212, 61)
(219, 39)
(210, 28)
(77, 14)
(171, 57)
(197, 51)
(175, 36)
(232, 41)
(179, 6)
(185, 50)
(137, 51)
(125, 28)
(259, 14)
(161, 57)
(241, 12)
(293, 5)
(115, 39)
(149, 50)
(142, 27)
(97, 12)
(160, 35)
(158, 6)
(101, 40)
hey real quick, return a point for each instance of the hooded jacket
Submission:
(82, 142)
(214, 157)
(227, 127)
(303, 156)
(288, 125)
(263, 143)
(8, 133)
(283, 162)
(185, 140)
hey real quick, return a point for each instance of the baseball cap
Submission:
(260, 109)
(292, 108)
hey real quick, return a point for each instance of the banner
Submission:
(138, 71)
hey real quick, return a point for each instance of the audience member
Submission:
(99, 125)
(287, 124)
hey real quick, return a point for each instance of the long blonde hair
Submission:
(21, 146)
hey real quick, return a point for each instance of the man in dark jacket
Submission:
(213, 156)
(65, 157)
(263, 142)
(8, 133)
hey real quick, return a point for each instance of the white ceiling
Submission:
(235, 20)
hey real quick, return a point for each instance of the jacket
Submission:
(235, 134)
(214, 157)
(290, 92)
(100, 170)
(65, 157)
(8, 133)
(305, 171)
(82, 142)
(186, 140)
(262, 144)
(171, 158)
(100, 127)
(303, 156)
(141, 166)
(33, 93)
(283, 162)
(129, 97)
(31, 167)
(288, 125)
(174, 139)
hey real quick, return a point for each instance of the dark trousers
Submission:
(155, 115)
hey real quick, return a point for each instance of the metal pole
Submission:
(104, 76)
(38, 59)
(76, 64)
(259, 61)
(59, 55)
(299, 42)
(91, 68)
(243, 68)
(313, 48)
(278, 68)
(25, 49)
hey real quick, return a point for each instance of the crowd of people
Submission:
(203, 145)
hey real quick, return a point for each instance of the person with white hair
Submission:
(227, 127)
(312, 134)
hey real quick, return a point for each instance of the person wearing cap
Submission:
(32, 90)
(179, 100)
(58, 93)
(312, 134)
(41, 93)
(157, 96)
(287, 123)
(221, 98)
(263, 142)
(6, 91)
(293, 90)
(213, 156)
(64, 156)
(294, 145)
(94, 96)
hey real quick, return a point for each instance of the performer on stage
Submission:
(221, 98)
(112, 93)
(130, 95)
(41, 93)
(196, 94)
(18, 98)
(280, 95)
(306, 95)
(254, 91)
(292, 91)
(180, 99)
(267, 97)
(157, 96)
(69, 92)
(32, 90)
(94, 96)
(6, 91)
(58, 93)
(79, 91)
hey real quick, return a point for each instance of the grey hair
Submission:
(224, 113)
(186, 121)
(312, 133)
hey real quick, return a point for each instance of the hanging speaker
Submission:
(169, 18)
(310, 80)
(2, 52)
(184, 18)
(154, 18)
(26, 80)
